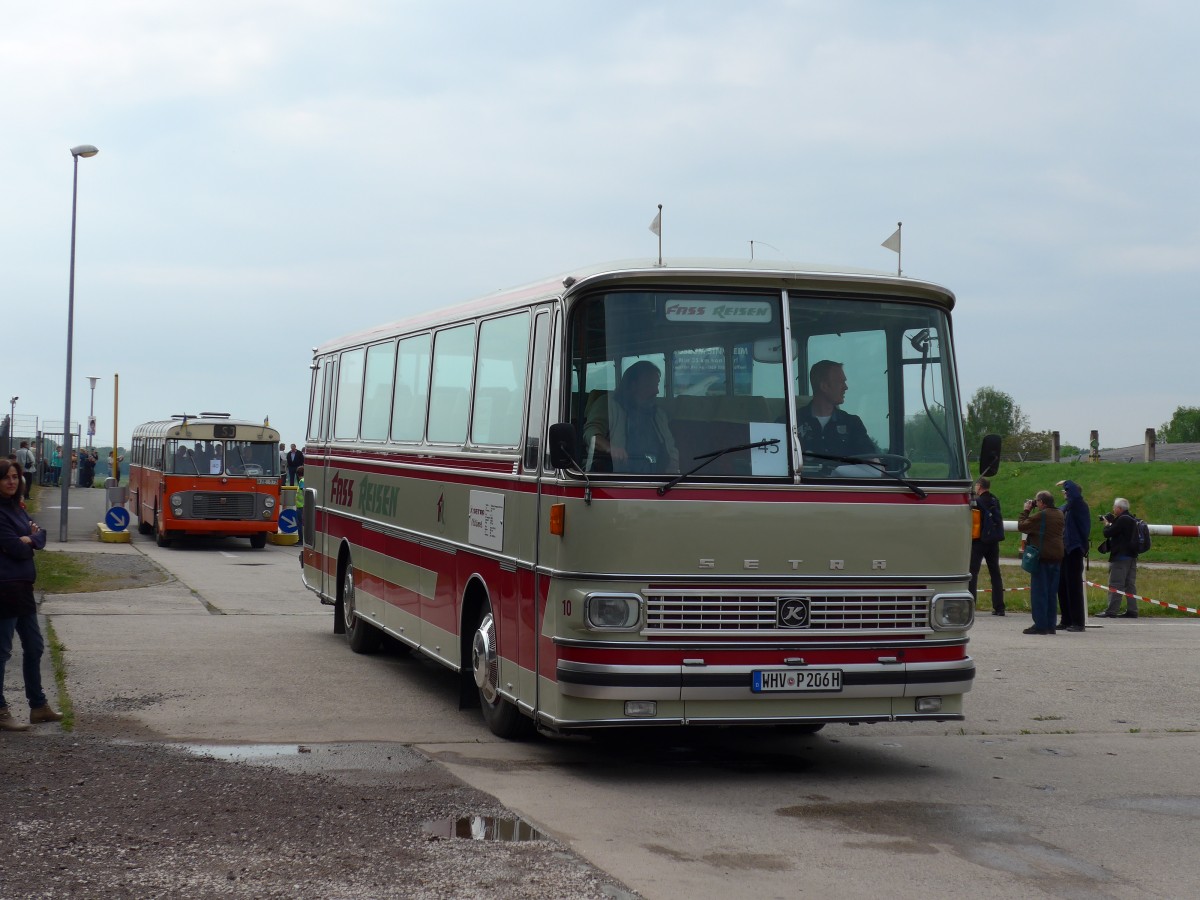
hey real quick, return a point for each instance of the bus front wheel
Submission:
(259, 540)
(361, 635)
(160, 535)
(502, 717)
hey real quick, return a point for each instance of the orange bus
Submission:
(205, 475)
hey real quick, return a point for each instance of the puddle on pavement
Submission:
(483, 828)
(244, 751)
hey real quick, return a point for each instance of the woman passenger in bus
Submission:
(629, 427)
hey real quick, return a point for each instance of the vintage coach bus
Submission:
(476, 487)
(205, 475)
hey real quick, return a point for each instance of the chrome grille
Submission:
(707, 613)
(238, 505)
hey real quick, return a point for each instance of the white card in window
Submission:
(769, 461)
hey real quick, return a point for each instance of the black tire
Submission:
(502, 717)
(802, 728)
(259, 540)
(362, 636)
(160, 536)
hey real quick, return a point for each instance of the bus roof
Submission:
(178, 427)
(695, 272)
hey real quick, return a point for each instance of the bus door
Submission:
(531, 587)
(319, 569)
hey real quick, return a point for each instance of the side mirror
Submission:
(989, 455)
(563, 446)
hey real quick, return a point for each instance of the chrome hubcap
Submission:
(484, 663)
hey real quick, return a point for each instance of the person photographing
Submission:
(1044, 525)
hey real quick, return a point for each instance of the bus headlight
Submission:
(613, 612)
(176, 501)
(952, 611)
(270, 501)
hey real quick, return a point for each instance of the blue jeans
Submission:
(32, 646)
(1043, 595)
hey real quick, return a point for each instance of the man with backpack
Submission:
(1121, 542)
(985, 544)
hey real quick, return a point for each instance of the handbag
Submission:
(1032, 556)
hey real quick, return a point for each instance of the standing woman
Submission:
(19, 538)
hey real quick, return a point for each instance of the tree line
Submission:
(991, 411)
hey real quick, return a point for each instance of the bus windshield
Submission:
(662, 381)
(202, 457)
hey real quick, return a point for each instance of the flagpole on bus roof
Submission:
(893, 244)
(656, 227)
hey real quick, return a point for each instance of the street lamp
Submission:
(84, 150)
(12, 421)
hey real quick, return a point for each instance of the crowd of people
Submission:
(1059, 535)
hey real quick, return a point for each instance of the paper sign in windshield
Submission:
(769, 461)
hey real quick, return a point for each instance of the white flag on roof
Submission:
(893, 243)
(656, 225)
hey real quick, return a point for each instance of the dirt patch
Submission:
(111, 572)
(85, 817)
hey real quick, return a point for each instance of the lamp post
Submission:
(84, 150)
(12, 421)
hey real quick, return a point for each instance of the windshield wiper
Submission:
(709, 457)
(862, 460)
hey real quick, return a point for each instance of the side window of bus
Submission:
(412, 389)
(453, 360)
(314, 408)
(327, 400)
(500, 381)
(377, 393)
(537, 390)
(349, 395)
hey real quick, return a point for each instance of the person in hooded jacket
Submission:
(19, 538)
(1077, 528)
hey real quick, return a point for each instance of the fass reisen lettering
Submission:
(341, 490)
(717, 310)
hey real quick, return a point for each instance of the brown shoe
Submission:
(40, 714)
(8, 723)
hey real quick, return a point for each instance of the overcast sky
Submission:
(275, 174)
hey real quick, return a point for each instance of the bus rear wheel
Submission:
(502, 717)
(361, 635)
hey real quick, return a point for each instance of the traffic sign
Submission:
(117, 518)
(289, 521)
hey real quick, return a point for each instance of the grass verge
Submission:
(58, 660)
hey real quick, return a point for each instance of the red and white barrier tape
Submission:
(1186, 609)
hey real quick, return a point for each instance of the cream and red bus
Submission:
(462, 495)
(205, 475)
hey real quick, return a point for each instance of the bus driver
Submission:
(823, 426)
(630, 427)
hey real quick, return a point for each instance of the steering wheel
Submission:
(893, 463)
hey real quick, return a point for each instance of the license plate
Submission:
(764, 681)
